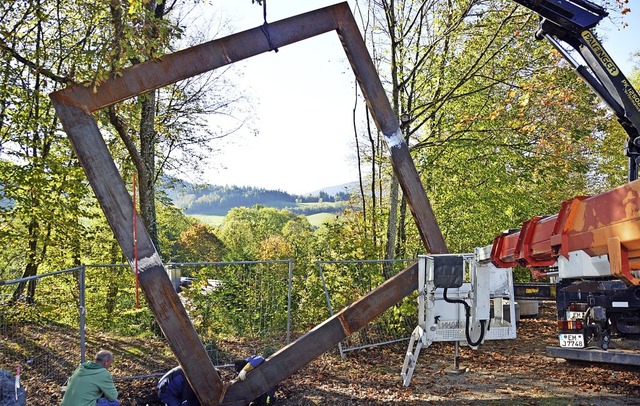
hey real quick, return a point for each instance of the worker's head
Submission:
(239, 364)
(104, 358)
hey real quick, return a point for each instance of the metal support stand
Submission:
(455, 370)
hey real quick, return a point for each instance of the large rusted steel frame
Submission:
(74, 106)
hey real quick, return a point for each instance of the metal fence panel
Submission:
(33, 329)
(346, 281)
(81, 310)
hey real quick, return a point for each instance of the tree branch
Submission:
(37, 69)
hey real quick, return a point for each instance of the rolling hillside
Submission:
(212, 200)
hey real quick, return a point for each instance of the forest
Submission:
(500, 130)
(499, 126)
(218, 200)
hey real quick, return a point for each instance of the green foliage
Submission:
(501, 129)
(244, 230)
(111, 298)
(248, 300)
(346, 238)
(172, 222)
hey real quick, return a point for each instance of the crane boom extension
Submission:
(608, 223)
(569, 22)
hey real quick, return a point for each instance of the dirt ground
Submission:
(509, 372)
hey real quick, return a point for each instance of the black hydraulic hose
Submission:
(472, 344)
(446, 299)
(467, 311)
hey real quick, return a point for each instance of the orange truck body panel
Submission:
(605, 224)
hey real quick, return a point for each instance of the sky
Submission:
(304, 97)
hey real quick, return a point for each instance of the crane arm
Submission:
(570, 22)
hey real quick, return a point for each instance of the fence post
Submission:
(289, 301)
(328, 298)
(82, 309)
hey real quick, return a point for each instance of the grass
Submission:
(209, 219)
(315, 220)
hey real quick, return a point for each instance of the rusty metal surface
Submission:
(323, 337)
(608, 223)
(161, 296)
(74, 105)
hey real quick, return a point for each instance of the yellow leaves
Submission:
(275, 247)
(528, 128)
(496, 113)
(136, 7)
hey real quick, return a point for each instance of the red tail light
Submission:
(569, 325)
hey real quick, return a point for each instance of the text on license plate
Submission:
(575, 315)
(571, 340)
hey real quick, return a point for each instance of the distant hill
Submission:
(336, 190)
(218, 200)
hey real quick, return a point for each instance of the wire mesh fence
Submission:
(50, 323)
(33, 336)
(346, 281)
(245, 298)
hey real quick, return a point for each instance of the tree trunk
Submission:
(31, 268)
(401, 251)
(146, 171)
(392, 228)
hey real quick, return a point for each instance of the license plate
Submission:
(571, 340)
(575, 315)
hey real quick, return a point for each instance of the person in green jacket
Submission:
(91, 383)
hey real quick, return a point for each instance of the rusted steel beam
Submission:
(387, 122)
(205, 57)
(116, 203)
(323, 337)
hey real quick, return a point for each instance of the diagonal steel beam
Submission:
(161, 296)
(75, 104)
(323, 337)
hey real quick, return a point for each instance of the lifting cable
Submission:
(265, 25)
